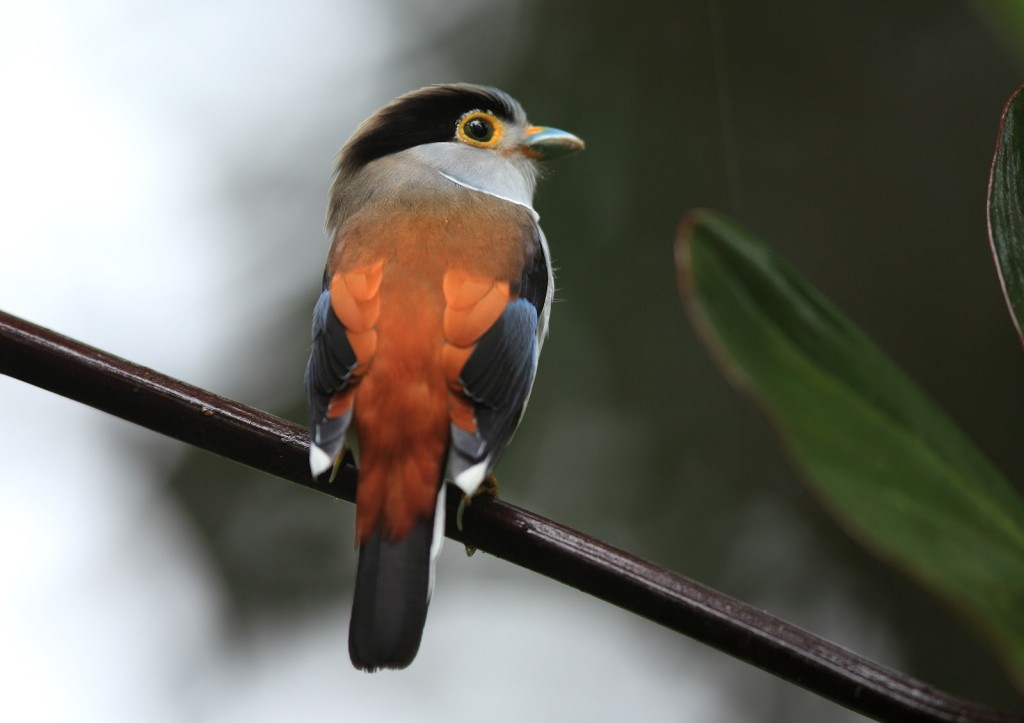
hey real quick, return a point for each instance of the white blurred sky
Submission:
(117, 122)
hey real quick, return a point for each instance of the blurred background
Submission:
(164, 170)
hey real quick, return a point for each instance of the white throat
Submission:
(481, 170)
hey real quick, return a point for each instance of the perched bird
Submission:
(435, 304)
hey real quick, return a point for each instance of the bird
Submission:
(426, 335)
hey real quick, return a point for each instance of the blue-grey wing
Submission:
(332, 362)
(497, 378)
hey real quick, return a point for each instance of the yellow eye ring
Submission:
(479, 129)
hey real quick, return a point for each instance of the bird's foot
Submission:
(488, 488)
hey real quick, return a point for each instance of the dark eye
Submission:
(479, 130)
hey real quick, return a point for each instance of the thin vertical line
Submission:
(725, 116)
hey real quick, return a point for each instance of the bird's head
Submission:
(471, 135)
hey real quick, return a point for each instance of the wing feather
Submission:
(329, 373)
(497, 378)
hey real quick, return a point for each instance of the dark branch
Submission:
(165, 405)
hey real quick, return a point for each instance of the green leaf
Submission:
(885, 460)
(1006, 207)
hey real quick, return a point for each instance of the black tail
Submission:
(390, 603)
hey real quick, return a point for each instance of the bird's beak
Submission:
(543, 143)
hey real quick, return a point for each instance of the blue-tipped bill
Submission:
(544, 143)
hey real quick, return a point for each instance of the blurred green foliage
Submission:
(892, 468)
(1006, 207)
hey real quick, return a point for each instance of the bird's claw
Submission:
(488, 488)
(336, 467)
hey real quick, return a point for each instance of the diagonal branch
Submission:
(165, 405)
